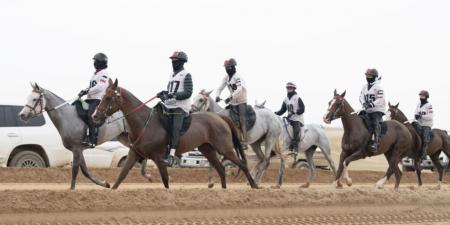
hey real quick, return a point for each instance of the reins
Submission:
(40, 102)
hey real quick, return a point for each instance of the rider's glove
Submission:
(227, 100)
(218, 99)
(83, 92)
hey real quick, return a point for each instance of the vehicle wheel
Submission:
(407, 168)
(27, 159)
(301, 165)
(124, 160)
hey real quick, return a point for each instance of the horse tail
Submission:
(236, 143)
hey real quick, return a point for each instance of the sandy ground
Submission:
(42, 196)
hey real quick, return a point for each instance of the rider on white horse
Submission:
(293, 104)
(424, 116)
(177, 99)
(97, 87)
(238, 96)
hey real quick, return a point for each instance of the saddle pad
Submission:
(366, 121)
(250, 118)
(166, 119)
(82, 113)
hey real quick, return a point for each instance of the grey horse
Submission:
(71, 128)
(314, 137)
(266, 130)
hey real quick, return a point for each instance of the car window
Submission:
(9, 117)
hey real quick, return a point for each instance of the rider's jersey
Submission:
(292, 105)
(98, 85)
(427, 114)
(176, 85)
(373, 94)
(237, 88)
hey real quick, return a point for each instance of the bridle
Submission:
(339, 108)
(39, 102)
(203, 104)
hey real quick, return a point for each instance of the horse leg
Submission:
(268, 146)
(131, 160)
(75, 167)
(337, 181)
(326, 151)
(353, 157)
(437, 164)
(211, 155)
(309, 153)
(418, 170)
(257, 149)
(380, 183)
(85, 171)
(230, 155)
(162, 168)
(144, 172)
(393, 165)
(279, 152)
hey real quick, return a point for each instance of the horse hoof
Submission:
(276, 186)
(107, 185)
(338, 185)
(379, 187)
(349, 182)
(305, 185)
(211, 185)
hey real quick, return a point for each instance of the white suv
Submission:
(38, 144)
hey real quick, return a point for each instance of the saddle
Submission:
(166, 119)
(250, 118)
(366, 120)
(419, 130)
(82, 108)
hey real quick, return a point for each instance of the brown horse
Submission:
(439, 143)
(209, 132)
(393, 144)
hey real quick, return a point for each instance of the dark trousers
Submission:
(93, 127)
(177, 117)
(426, 134)
(375, 119)
(242, 111)
(296, 126)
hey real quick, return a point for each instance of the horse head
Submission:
(110, 103)
(335, 107)
(201, 101)
(35, 104)
(393, 113)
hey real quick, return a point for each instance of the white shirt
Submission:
(427, 114)
(176, 84)
(98, 85)
(373, 95)
(292, 107)
(236, 86)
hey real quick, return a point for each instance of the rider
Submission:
(177, 99)
(374, 104)
(95, 92)
(424, 115)
(295, 107)
(238, 95)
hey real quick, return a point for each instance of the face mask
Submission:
(177, 65)
(230, 70)
(370, 80)
(423, 101)
(99, 65)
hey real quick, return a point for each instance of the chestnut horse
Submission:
(438, 144)
(209, 132)
(393, 144)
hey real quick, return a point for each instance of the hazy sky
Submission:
(319, 45)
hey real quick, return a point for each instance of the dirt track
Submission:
(41, 196)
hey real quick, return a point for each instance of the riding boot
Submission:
(375, 142)
(85, 140)
(243, 123)
(169, 157)
(424, 151)
(296, 126)
(93, 134)
(177, 122)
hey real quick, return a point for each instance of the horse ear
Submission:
(116, 83)
(36, 87)
(110, 82)
(263, 103)
(396, 106)
(209, 92)
(335, 92)
(343, 94)
(32, 85)
(389, 104)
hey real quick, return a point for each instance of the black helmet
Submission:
(372, 72)
(230, 62)
(179, 55)
(292, 85)
(100, 57)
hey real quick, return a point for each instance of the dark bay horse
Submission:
(393, 144)
(438, 144)
(209, 132)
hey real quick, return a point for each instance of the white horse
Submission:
(266, 129)
(71, 128)
(314, 136)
